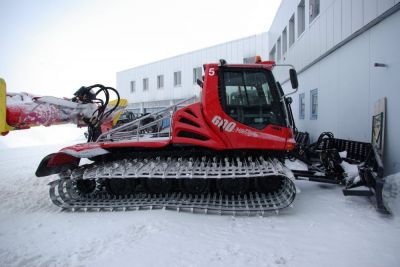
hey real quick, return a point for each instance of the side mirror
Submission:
(293, 78)
(200, 83)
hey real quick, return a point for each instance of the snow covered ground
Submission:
(323, 229)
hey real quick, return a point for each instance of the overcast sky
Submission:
(55, 46)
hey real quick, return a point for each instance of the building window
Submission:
(133, 86)
(302, 106)
(197, 73)
(272, 53)
(301, 18)
(291, 31)
(284, 41)
(145, 84)
(160, 81)
(314, 9)
(177, 78)
(278, 50)
(314, 104)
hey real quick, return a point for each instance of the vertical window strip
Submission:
(314, 104)
(177, 78)
(133, 86)
(197, 73)
(301, 18)
(145, 84)
(160, 81)
(302, 106)
(284, 41)
(291, 30)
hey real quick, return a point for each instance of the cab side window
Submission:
(248, 98)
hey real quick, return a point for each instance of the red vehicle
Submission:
(223, 154)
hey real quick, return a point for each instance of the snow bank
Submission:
(351, 171)
(18, 99)
(343, 154)
(324, 228)
(39, 136)
(391, 193)
(296, 165)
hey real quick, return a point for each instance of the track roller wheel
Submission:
(85, 186)
(269, 184)
(121, 187)
(233, 186)
(194, 186)
(159, 186)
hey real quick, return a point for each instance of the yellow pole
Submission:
(4, 127)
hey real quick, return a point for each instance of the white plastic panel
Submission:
(370, 10)
(384, 5)
(328, 95)
(323, 33)
(324, 4)
(385, 83)
(354, 89)
(329, 28)
(357, 17)
(337, 22)
(313, 41)
(346, 18)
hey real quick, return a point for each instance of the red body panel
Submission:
(23, 118)
(205, 124)
(26, 115)
(82, 147)
(240, 136)
(194, 114)
(88, 150)
(150, 144)
(62, 158)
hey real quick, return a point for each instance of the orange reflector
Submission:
(290, 144)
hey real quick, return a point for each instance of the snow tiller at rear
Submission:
(356, 165)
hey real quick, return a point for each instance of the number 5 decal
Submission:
(211, 72)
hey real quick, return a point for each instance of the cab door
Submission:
(252, 113)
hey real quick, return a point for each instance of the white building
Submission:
(159, 84)
(346, 54)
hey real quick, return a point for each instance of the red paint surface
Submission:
(61, 159)
(272, 137)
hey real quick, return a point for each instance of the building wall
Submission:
(233, 52)
(342, 69)
(337, 20)
(335, 55)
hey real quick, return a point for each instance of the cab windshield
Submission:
(249, 96)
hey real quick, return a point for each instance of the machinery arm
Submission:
(22, 111)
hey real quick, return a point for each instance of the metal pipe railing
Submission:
(119, 132)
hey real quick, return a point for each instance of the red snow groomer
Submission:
(223, 154)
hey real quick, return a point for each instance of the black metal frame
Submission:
(324, 161)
